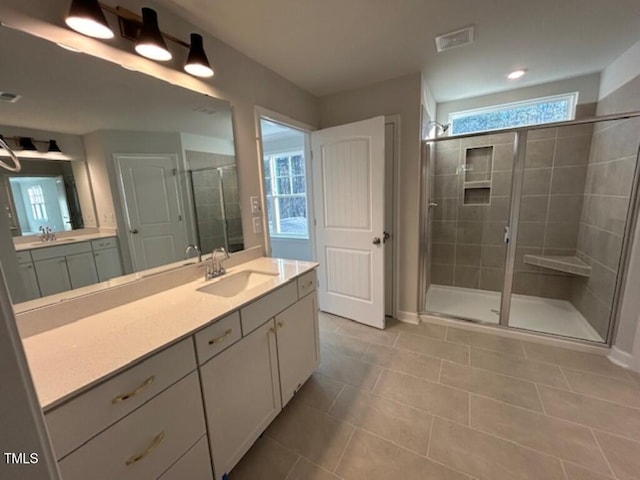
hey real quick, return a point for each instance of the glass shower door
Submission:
(577, 186)
(469, 209)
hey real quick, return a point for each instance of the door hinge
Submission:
(175, 172)
(180, 218)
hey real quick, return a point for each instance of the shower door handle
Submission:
(507, 234)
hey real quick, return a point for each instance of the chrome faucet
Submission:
(216, 269)
(194, 247)
(46, 235)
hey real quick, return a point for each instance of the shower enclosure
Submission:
(529, 228)
(216, 206)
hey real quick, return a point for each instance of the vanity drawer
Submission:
(258, 312)
(145, 443)
(215, 338)
(102, 243)
(306, 283)
(24, 257)
(194, 465)
(75, 422)
(45, 253)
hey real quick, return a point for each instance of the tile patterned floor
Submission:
(432, 402)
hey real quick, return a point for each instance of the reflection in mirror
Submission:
(152, 170)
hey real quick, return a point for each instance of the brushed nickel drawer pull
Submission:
(280, 324)
(221, 337)
(307, 285)
(273, 330)
(136, 458)
(126, 396)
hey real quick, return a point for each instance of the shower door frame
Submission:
(519, 154)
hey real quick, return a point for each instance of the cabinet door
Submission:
(108, 264)
(82, 269)
(298, 354)
(52, 275)
(29, 281)
(241, 396)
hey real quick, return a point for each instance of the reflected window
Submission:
(286, 192)
(38, 206)
(536, 111)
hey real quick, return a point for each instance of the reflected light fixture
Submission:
(53, 147)
(86, 17)
(197, 62)
(26, 143)
(150, 43)
(517, 74)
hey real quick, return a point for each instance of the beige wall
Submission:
(238, 79)
(398, 96)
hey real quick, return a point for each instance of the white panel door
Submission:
(151, 200)
(348, 185)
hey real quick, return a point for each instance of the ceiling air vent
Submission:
(9, 97)
(455, 39)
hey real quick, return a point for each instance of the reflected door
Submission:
(348, 177)
(151, 200)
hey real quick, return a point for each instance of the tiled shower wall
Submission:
(606, 202)
(467, 241)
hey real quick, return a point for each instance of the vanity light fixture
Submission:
(150, 42)
(86, 17)
(26, 144)
(517, 74)
(197, 61)
(53, 147)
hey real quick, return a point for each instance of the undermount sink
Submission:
(54, 242)
(232, 285)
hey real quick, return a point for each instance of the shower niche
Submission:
(477, 168)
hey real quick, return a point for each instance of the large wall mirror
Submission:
(124, 170)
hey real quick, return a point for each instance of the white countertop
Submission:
(68, 239)
(69, 359)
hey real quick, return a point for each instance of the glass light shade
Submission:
(197, 62)
(86, 17)
(150, 43)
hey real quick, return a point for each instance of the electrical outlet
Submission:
(257, 225)
(255, 205)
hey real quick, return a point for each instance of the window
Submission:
(36, 199)
(286, 189)
(519, 114)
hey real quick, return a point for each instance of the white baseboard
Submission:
(408, 317)
(620, 358)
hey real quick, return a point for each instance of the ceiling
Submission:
(327, 46)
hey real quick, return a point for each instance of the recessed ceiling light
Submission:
(516, 74)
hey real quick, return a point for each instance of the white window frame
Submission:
(38, 205)
(271, 199)
(571, 97)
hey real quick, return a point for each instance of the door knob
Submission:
(385, 236)
(376, 240)
(134, 231)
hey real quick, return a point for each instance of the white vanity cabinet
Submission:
(63, 267)
(298, 345)
(241, 394)
(28, 276)
(246, 385)
(107, 258)
(136, 425)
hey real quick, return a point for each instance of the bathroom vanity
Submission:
(180, 383)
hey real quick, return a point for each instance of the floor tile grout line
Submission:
(440, 371)
(628, 381)
(544, 410)
(430, 437)
(564, 376)
(375, 384)
(293, 467)
(344, 450)
(604, 455)
(505, 439)
(610, 402)
(564, 471)
(333, 402)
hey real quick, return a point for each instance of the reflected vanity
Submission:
(148, 168)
